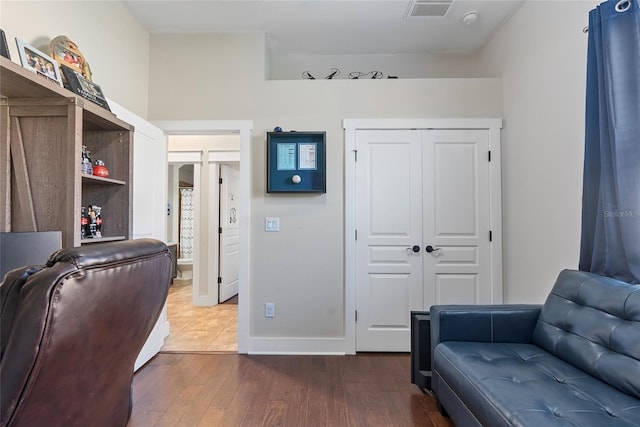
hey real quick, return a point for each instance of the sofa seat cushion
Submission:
(523, 385)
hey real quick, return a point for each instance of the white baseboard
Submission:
(297, 346)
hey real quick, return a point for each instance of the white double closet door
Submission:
(423, 228)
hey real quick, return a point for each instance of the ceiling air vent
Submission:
(428, 8)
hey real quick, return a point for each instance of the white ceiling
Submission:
(331, 27)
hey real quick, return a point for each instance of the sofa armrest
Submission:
(483, 323)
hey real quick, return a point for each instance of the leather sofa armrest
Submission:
(483, 323)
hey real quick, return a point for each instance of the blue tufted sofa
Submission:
(574, 361)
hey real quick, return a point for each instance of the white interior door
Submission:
(418, 188)
(388, 224)
(230, 232)
(456, 217)
(149, 203)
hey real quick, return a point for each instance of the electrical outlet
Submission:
(272, 224)
(269, 309)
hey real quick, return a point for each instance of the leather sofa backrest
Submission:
(77, 327)
(593, 323)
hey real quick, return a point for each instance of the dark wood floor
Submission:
(238, 390)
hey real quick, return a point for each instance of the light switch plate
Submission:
(269, 309)
(272, 224)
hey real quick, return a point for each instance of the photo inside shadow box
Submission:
(87, 89)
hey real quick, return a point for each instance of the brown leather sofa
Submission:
(71, 331)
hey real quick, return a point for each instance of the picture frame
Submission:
(4, 47)
(296, 162)
(39, 62)
(75, 82)
(67, 53)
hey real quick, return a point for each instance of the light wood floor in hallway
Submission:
(199, 329)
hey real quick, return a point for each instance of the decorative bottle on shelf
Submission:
(99, 169)
(84, 221)
(87, 168)
(98, 210)
(91, 232)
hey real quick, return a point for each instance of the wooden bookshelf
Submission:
(43, 127)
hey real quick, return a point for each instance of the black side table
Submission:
(421, 349)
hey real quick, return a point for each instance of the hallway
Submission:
(199, 329)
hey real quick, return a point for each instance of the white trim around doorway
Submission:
(493, 125)
(243, 128)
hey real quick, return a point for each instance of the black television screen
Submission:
(28, 248)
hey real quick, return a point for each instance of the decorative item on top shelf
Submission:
(99, 169)
(333, 73)
(40, 63)
(66, 52)
(370, 75)
(4, 48)
(87, 169)
(75, 82)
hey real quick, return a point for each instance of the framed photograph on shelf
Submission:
(38, 62)
(87, 89)
(4, 48)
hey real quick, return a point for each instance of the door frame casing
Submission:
(244, 129)
(351, 126)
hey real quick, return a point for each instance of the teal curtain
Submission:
(610, 244)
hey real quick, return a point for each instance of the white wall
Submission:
(113, 43)
(204, 142)
(300, 268)
(192, 73)
(541, 56)
(291, 67)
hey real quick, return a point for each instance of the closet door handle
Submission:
(430, 249)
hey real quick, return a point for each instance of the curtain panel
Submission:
(610, 243)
